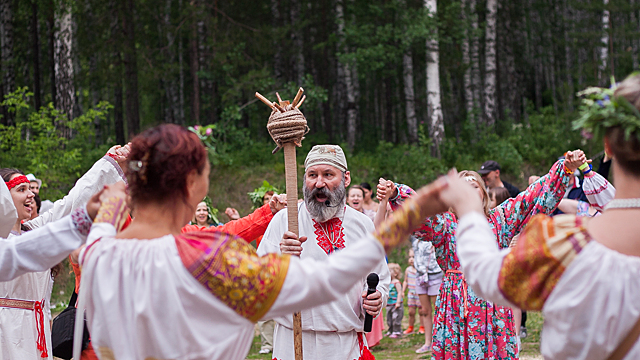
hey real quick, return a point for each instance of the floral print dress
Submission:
(466, 326)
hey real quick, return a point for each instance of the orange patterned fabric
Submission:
(232, 271)
(113, 211)
(534, 266)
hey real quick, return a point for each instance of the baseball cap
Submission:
(488, 167)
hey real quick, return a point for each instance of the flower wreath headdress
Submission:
(601, 109)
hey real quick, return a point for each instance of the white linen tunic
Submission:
(18, 332)
(336, 323)
(142, 302)
(588, 293)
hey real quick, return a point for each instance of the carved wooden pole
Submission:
(287, 127)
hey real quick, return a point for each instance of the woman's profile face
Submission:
(492, 200)
(202, 214)
(23, 199)
(355, 199)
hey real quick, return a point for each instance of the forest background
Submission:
(410, 88)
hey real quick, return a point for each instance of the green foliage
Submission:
(257, 195)
(35, 143)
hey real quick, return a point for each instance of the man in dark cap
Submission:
(490, 172)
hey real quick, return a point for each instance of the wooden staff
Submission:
(291, 178)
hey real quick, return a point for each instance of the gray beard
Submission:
(320, 211)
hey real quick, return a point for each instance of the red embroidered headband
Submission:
(17, 181)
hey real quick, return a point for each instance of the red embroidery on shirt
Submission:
(330, 235)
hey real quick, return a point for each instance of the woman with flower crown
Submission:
(466, 326)
(581, 272)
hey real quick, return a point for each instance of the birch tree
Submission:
(490, 63)
(436, 121)
(604, 42)
(466, 60)
(131, 68)
(475, 57)
(346, 67)
(409, 92)
(65, 89)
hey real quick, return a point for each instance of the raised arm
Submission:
(543, 196)
(105, 171)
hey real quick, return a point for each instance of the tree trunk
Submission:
(52, 51)
(181, 70)
(634, 40)
(172, 113)
(490, 64)
(6, 47)
(193, 57)
(65, 89)
(297, 40)
(118, 120)
(604, 46)
(278, 66)
(347, 70)
(131, 69)
(475, 60)
(409, 97)
(568, 56)
(37, 92)
(466, 60)
(436, 122)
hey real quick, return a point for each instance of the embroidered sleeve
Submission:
(81, 220)
(598, 190)
(532, 268)
(541, 197)
(113, 211)
(231, 270)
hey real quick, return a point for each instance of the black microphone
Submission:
(372, 283)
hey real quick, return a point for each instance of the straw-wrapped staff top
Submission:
(286, 122)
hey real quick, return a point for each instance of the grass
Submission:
(404, 348)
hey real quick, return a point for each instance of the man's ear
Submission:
(498, 173)
(347, 178)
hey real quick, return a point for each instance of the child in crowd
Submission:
(395, 311)
(413, 301)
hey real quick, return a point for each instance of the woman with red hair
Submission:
(152, 291)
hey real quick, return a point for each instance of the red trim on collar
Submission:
(17, 181)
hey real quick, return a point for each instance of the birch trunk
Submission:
(604, 43)
(436, 121)
(297, 40)
(568, 56)
(466, 60)
(409, 97)
(346, 68)
(490, 64)
(181, 70)
(6, 47)
(475, 59)
(65, 90)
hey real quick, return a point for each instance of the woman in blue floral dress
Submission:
(466, 326)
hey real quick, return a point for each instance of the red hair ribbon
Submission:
(17, 181)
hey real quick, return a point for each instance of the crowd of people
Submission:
(159, 277)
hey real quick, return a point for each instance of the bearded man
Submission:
(335, 330)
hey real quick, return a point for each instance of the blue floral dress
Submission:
(466, 326)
